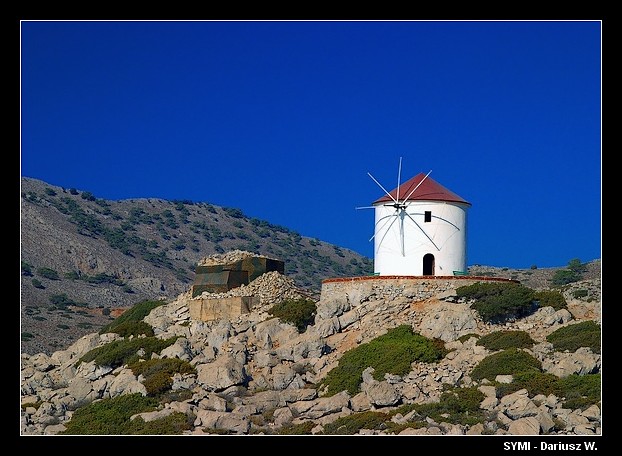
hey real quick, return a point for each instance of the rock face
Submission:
(254, 368)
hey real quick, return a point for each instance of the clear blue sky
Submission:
(284, 119)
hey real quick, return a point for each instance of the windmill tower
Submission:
(420, 229)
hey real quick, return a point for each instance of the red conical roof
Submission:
(429, 190)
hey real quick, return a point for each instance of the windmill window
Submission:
(428, 216)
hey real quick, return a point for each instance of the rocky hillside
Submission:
(256, 374)
(86, 259)
(536, 278)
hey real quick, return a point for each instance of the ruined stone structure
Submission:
(220, 278)
(220, 288)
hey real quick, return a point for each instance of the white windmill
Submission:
(420, 229)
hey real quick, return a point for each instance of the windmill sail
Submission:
(400, 208)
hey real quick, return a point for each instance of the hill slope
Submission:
(417, 360)
(83, 257)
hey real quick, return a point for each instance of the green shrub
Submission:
(88, 196)
(180, 395)
(466, 337)
(157, 383)
(133, 328)
(120, 352)
(136, 313)
(577, 335)
(297, 429)
(496, 302)
(72, 275)
(577, 266)
(395, 428)
(580, 391)
(103, 278)
(299, 312)
(108, 416)
(158, 373)
(352, 424)
(37, 284)
(552, 298)
(233, 212)
(533, 381)
(457, 406)
(26, 269)
(393, 353)
(507, 362)
(576, 391)
(462, 400)
(582, 293)
(104, 419)
(174, 424)
(564, 277)
(48, 273)
(500, 340)
(572, 274)
(61, 301)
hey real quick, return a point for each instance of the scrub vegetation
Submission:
(392, 353)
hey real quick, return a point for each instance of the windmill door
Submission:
(428, 264)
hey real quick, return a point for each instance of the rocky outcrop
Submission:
(256, 368)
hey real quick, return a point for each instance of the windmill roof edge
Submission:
(422, 188)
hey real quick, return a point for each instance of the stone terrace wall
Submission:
(418, 288)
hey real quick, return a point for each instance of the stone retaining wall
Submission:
(214, 309)
(418, 287)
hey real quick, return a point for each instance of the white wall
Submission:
(447, 233)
